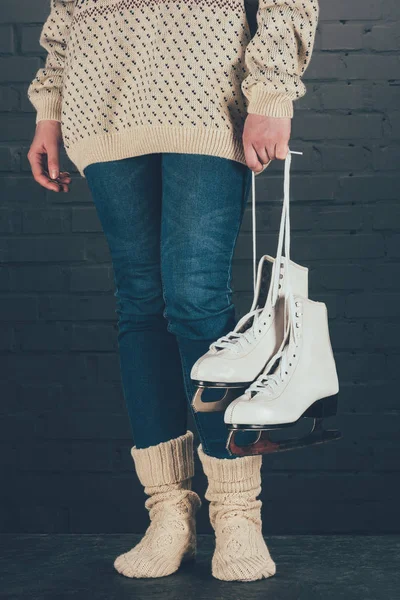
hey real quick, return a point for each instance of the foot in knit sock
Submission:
(241, 553)
(165, 470)
(169, 540)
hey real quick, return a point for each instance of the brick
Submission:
(10, 221)
(94, 396)
(386, 158)
(89, 426)
(346, 336)
(337, 36)
(357, 10)
(30, 40)
(339, 95)
(382, 96)
(386, 216)
(372, 305)
(54, 220)
(48, 368)
(326, 66)
(42, 249)
(16, 189)
(371, 66)
(7, 159)
(6, 39)
(85, 219)
(94, 338)
(24, 11)
(386, 276)
(365, 188)
(37, 278)
(383, 37)
(9, 100)
(66, 456)
(91, 279)
(18, 68)
(73, 308)
(97, 249)
(7, 341)
(393, 246)
(335, 158)
(43, 336)
(340, 277)
(17, 127)
(360, 366)
(15, 308)
(383, 336)
(334, 127)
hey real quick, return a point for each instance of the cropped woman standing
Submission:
(165, 107)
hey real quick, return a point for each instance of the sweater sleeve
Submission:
(278, 54)
(45, 91)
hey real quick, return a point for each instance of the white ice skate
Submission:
(303, 383)
(235, 360)
(299, 381)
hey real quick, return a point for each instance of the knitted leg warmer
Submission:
(241, 553)
(165, 471)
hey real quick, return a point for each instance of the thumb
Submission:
(53, 161)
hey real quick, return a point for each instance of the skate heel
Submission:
(326, 407)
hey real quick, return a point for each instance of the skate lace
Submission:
(236, 340)
(268, 381)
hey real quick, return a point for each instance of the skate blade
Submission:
(231, 393)
(264, 445)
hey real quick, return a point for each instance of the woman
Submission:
(166, 107)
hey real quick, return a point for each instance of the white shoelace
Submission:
(236, 340)
(268, 382)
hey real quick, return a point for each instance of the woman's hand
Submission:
(44, 157)
(265, 138)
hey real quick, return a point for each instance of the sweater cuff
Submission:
(269, 104)
(48, 108)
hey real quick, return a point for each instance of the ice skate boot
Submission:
(300, 381)
(235, 360)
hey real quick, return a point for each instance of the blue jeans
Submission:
(171, 221)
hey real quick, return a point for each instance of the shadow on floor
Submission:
(79, 567)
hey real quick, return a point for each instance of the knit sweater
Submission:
(132, 77)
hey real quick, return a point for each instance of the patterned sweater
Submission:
(132, 77)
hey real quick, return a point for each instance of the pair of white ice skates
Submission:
(277, 365)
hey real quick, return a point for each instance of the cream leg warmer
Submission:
(165, 471)
(241, 553)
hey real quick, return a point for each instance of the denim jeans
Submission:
(171, 221)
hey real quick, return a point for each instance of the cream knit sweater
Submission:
(132, 77)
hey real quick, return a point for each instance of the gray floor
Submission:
(41, 567)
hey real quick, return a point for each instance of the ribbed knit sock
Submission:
(241, 553)
(165, 471)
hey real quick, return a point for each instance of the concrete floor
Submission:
(58, 567)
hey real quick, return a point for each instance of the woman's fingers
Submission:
(282, 148)
(35, 158)
(263, 154)
(44, 157)
(268, 137)
(53, 159)
(252, 160)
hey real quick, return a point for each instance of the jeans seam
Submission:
(243, 207)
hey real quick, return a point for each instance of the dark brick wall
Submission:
(65, 438)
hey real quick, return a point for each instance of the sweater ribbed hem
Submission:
(165, 463)
(49, 108)
(244, 471)
(269, 104)
(154, 139)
